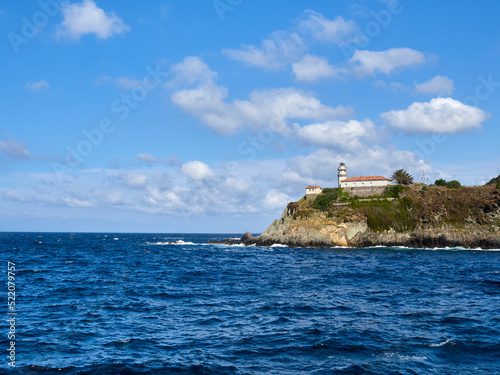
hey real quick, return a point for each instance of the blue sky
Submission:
(209, 116)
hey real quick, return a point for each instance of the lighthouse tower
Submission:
(342, 175)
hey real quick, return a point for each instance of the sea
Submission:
(119, 303)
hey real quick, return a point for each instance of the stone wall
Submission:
(365, 191)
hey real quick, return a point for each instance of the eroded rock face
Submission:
(319, 231)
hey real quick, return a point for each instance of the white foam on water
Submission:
(440, 344)
(179, 242)
(278, 245)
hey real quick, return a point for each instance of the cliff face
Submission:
(420, 217)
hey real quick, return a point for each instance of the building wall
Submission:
(315, 191)
(365, 191)
(366, 184)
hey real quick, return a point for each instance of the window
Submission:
(371, 183)
(353, 184)
(363, 184)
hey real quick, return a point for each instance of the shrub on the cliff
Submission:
(498, 183)
(393, 191)
(324, 201)
(391, 216)
(440, 182)
(454, 184)
(303, 214)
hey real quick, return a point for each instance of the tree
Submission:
(440, 182)
(402, 177)
(454, 184)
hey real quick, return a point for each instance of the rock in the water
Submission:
(246, 237)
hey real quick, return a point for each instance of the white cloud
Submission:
(386, 62)
(321, 165)
(440, 115)
(134, 180)
(15, 149)
(394, 86)
(267, 108)
(74, 202)
(197, 170)
(192, 70)
(341, 135)
(276, 199)
(336, 31)
(438, 85)
(312, 68)
(280, 49)
(86, 18)
(37, 86)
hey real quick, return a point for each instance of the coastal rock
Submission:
(246, 237)
(466, 217)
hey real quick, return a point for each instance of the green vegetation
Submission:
(413, 208)
(440, 182)
(393, 191)
(402, 177)
(390, 215)
(324, 201)
(303, 214)
(454, 184)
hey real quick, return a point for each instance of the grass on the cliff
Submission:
(417, 206)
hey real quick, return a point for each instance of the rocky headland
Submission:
(415, 216)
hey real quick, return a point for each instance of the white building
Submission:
(360, 182)
(313, 190)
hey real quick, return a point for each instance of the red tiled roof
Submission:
(368, 178)
(310, 187)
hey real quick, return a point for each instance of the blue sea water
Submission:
(135, 304)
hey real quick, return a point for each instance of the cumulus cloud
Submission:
(278, 50)
(37, 85)
(385, 62)
(312, 68)
(15, 149)
(285, 47)
(197, 170)
(86, 18)
(206, 100)
(134, 180)
(438, 85)
(323, 29)
(322, 165)
(440, 115)
(192, 70)
(350, 135)
(276, 199)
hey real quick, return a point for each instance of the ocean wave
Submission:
(178, 242)
(278, 245)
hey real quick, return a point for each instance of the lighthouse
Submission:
(342, 175)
